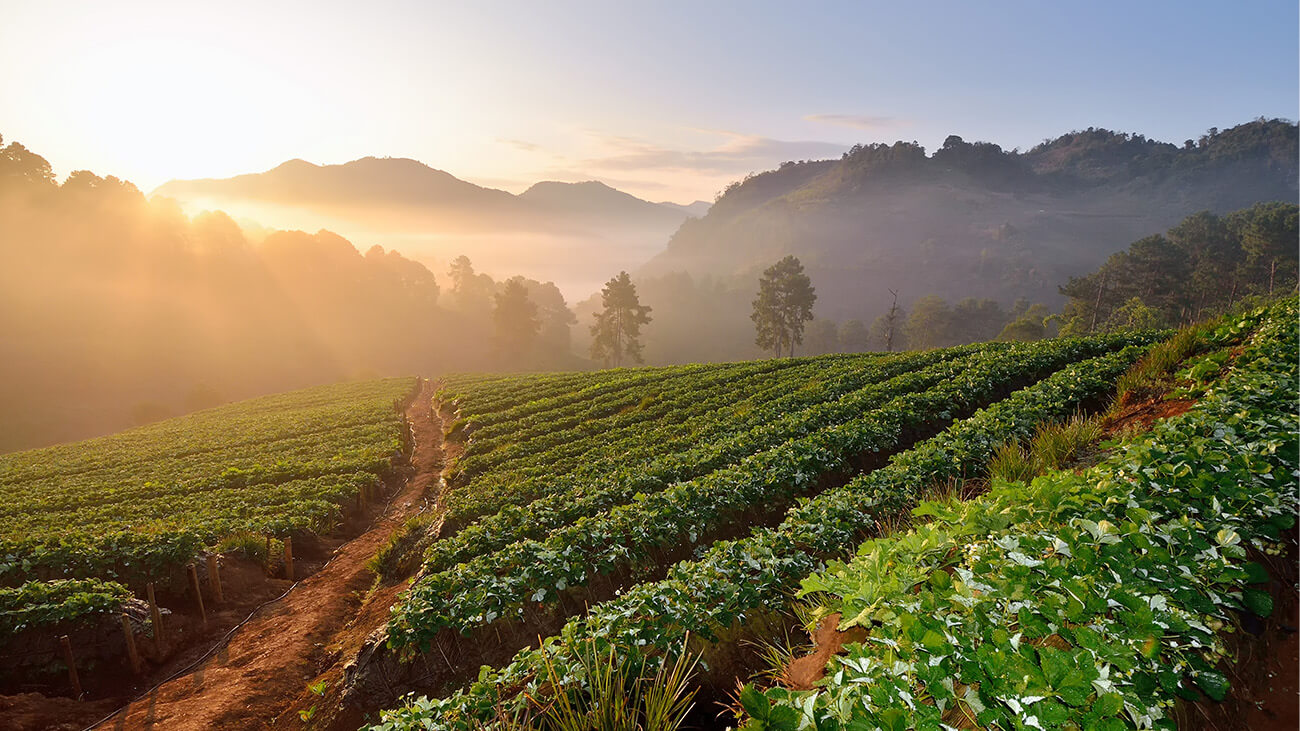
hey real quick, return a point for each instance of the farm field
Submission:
(619, 566)
(632, 483)
(85, 527)
(693, 523)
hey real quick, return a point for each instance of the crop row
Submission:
(1092, 600)
(529, 573)
(712, 434)
(734, 579)
(791, 417)
(135, 506)
(38, 603)
(593, 385)
(601, 442)
(631, 405)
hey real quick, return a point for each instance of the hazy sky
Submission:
(667, 100)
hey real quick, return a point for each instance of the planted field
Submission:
(1085, 599)
(1092, 599)
(83, 525)
(677, 501)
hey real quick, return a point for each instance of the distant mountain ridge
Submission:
(386, 183)
(576, 235)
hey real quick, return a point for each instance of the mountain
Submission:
(576, 234)
(968, 220)
(596, 200)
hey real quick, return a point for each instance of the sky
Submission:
(666, 100)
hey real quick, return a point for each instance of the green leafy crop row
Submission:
(529, 573)
(1086, 600)
(133, 506)
(732, 579)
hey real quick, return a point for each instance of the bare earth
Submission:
(269, 661)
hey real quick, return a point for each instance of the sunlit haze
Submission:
(668, 101)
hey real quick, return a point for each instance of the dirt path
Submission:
(269, 661)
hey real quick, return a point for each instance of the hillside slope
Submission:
(973, 220)
(576, 234)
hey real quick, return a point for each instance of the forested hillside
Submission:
(968, 220)
(117, 310)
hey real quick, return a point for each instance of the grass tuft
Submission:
(1054, 446)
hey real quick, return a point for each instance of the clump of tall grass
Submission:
(251, 546)
(610, 693)
(1053, 446)
(1152, 373)
(401, 554)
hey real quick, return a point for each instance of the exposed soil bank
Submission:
(266, 663)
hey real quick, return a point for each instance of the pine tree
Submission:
(785, 302)
(617, 330)
(516, 321)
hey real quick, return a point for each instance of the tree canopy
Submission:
(516, 320)
(617, 330)
(1197, 268)
(785, 302)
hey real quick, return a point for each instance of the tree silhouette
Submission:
(854, 336)
(785, 302)
(930, 323)
(618, 326)
(472, 292)
(515, 318)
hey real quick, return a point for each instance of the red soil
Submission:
(269, 660)
(804, 672)
(1140, 416)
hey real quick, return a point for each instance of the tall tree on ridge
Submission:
(617, 329)
(785, 302)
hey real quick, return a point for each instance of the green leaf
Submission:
(1259, 602)
(783, 718)
(754, 702)
(893, 719)
(1256, 574)
(1214, 684)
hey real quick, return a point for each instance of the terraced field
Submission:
(83, 527)
(596, 533)
(640, 506)
(629, 540)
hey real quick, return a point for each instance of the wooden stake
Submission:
(288, 558)
(198, 595)
(214, 578)
(156, 617)
(72, 666)
(131, 652)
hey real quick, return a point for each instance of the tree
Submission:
(854, 337)
(1029, 326)
(555, 317)
(22, 167)
(890, 323)
(823, 337)
(515, 318)
(617, 330)
(929, 324)
(785, 302)
(1135, 315)
(1211, 253)
(472, 292)
(1268, 233)
(978, 320)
